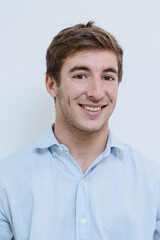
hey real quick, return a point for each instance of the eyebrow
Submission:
(76, 68)
(113, 70)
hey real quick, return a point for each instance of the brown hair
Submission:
(77, 38)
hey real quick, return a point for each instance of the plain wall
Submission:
(27, 28)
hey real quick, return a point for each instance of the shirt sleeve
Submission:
(157, 230)
(5, 228)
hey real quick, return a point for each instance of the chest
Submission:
(98, 205)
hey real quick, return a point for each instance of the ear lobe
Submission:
(51, 86)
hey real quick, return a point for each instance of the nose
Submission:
(95, 89)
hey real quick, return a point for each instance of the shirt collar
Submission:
(48, 139)
(114, 145)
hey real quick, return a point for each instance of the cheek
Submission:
(111, 89)
(77, 91)
(67, 95)
(112, 93)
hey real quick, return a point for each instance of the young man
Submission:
(78, 181)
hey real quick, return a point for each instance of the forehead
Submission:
(97, 59)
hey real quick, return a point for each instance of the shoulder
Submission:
(17, 164)
(134, 160)
(141, 163)
(25, 162)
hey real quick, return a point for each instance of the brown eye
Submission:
(108, 78)
(79, 76)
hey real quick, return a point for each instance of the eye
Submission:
(79, 76)
(108, 78)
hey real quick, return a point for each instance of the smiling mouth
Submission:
(92, 109)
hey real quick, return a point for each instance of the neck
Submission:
(84, 147)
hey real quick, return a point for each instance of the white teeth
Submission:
(92, 109)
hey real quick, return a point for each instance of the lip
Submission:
(93, 105)
(93, 113)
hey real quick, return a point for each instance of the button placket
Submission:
(82, 210)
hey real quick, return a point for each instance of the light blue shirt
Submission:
(44, 194)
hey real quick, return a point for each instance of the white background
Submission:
(26, 30)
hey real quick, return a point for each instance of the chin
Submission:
(92, 129)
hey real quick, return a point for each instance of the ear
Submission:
(51, 86)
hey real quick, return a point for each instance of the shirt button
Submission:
(83, 221)
(82, 181)
(60, 149)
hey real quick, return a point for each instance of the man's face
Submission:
(88, 89)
